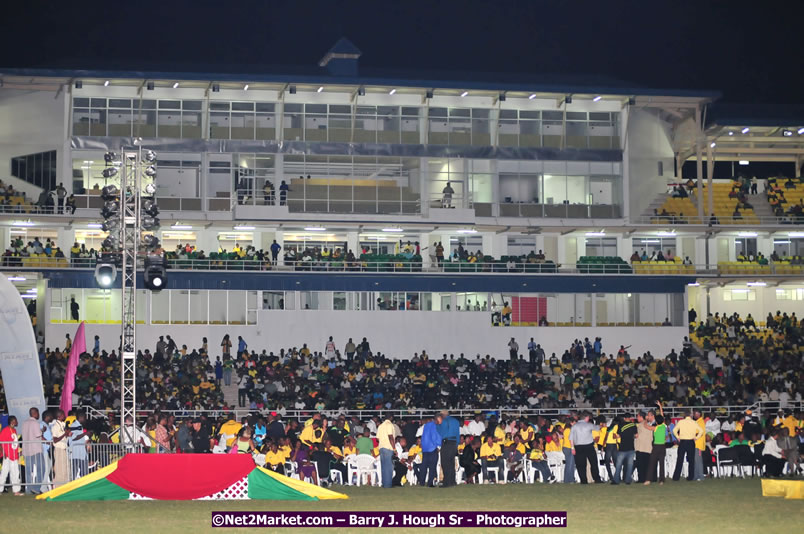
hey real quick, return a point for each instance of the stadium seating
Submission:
(681, 207)
(603, 265)
(674, 266)
(723, 206)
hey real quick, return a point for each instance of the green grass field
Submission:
(701, 507)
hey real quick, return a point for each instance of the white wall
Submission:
(398, 334)
(32, 121)
(648, 143)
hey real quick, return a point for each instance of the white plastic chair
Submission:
(366, 465)
(555, 461)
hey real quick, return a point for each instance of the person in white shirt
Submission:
(772, 456)
(477, 427)
(713, 425)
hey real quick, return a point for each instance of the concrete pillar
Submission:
(5, 238)
(495, 188)
(495, 245)
(207, 240)
(426, 249)
(65, 237)
(424, 185)
(710, 173)
(353, 243)
(624, 247)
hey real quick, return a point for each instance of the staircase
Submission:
(762, 208)
(230, 394)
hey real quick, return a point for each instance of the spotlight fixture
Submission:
(106, 83)
(150, 171)
(293, 89)
(800, 131)
(109, 172)
(150, 156)
(746, 130)
(149, 223)
(713, 144)
(110, 209)
(150, 241)
(155, 272)
(111, 243)
(245, 87)
(149, 86)
(105, 275)
(109, 157)
(597, 98)
(216, 88)
(731, 133)
(176, 85)
(79, 84)
(320, 88)
(787, 133)
(149, 207)
(532, 96)
(112, 226)
(392, 91)
(464, 94)
(110, 192)
(150, 189)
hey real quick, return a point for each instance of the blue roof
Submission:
(344, 46)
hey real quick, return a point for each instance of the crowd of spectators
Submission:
(14, 255)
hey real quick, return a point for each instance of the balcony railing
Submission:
(563, 211)
(397, 265)
(378, 199)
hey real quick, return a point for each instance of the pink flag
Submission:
(79, 347)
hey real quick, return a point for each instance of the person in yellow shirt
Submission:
(700, 444)
(230, 429)
(491, 456)
(349, 447)
(275, 459)
(554, 445)
(312, 434)
(609, 441)
(499, 434)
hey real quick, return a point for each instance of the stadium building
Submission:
(557, 182)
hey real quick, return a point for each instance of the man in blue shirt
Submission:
(450, 430)
(241, 345)
(431, 441)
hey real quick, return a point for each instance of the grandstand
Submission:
(344, 248)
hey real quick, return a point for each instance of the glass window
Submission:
(601, 246)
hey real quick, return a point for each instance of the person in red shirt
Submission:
(10, 448)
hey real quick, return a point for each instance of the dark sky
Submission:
(751, 51)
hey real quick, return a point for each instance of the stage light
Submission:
(150, 188)
(464, 94)
(110, 209)
(744, 162)
(105, 275)
(176, 85)
(109, 157)
(149, 86)
(106, 83)
(111, 243)
(731, 133)
(155, 272)
(109, 172)
(245, 87)
(110, 192)
(800, 131)
(150, 156)
(746, 130)
(112, 226)
(713, 144)
(150, 241)
(531, 97)
(787, 133)
(150, 171)
(321, 88)
(149, 223)
(149, 207)
(597, 99)
(392, 91)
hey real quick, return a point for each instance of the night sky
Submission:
(751, 51)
